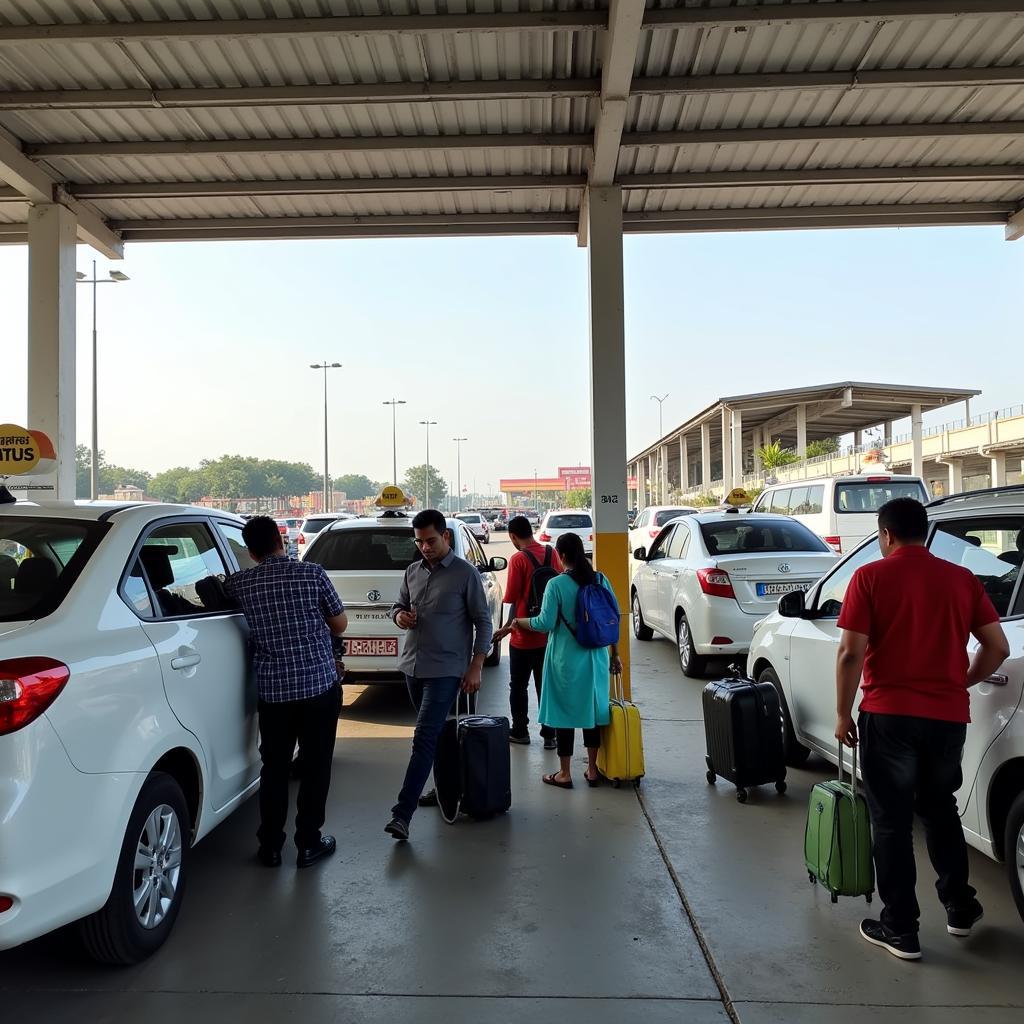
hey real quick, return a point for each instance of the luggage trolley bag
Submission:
(743, 729)
(837, 840)
(472, 767)
(620, 758)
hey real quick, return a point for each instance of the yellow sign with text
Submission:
(22, 450)
(736, 497)
(392, 497)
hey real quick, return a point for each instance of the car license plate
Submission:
(375, 647)
(778, 589)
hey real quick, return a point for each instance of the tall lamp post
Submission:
(327, 477)
(428, 424)
(116, 277)
(662, 481)
(458, 472)
(394, 437)
(536, 506)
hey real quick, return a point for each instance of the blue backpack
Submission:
(597, 616)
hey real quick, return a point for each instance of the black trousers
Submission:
(521, 665)
(314, 724)
(567, 739)
(913, 764)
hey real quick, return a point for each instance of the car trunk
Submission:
(11, 627)
(760, 579)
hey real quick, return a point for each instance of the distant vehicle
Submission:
(842, 510)
(499, 524)
(568, 521)
(290, 528)
(477, 524)
(312, 525)
(648, 525)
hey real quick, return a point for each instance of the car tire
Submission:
(640, 628)
(1013, 847)
(115, 934)
(692, 663)
(794, 751)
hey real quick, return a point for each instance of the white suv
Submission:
(127, 715)
(568, 521)
(477, 524)
(795, 649)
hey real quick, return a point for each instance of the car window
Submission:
(569, 522)
(467, 518)
(798, 505)
(680, 542)
(474, 553)
(178, 560)
(991, 547)
(668, 514)
(233, 535)
(377, 549)
(870, 495)
(315, 525)
(833, 590)
(780, 501)
(763, 500)
(815, 499)
(641, 520)
(659, 549)
(738, 536)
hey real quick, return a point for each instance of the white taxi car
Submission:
(795, 648)
(366, 561)
(127, 715)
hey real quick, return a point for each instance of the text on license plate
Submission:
(375, 647)
(777, 589)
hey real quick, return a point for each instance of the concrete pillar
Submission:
(737, 449)
(52, 233)
(705, 456)
(956, 476)
(998, 469)
(649, 487)
(801, 430)
(608, 399)
(664, 474)
(726, 449)
(858, 438)
(917, 441)
(684, 463)
(758, 443)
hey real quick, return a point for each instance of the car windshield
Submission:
(745, 536)
(469, 518)
(871, 495)
(39, 560)
(569, 522)
(668, 514)
(378, 549)
(315, 525)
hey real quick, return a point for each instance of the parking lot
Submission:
(576, 906)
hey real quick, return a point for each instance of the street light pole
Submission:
(116, 277)
(458, 478)
(394, 437)
(325, 366)
(536, 506)
(662, 476)
(428, 424)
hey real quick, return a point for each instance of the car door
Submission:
(670, 572)
(202, 651)
(656, 580)
(475, 556)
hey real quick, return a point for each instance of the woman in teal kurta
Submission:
(575, 691)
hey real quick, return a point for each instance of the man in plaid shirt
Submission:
(292, 610)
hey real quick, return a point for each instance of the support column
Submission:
(663, 454)
(956, 476)
(608, 399)
(52, 234)
(917, 441)
(801, 430)
(726, 450)
(998, 469)
(858, 438)
(737, 449)
(758, 443)
(705, 457)
(684, 463)
(649, 487)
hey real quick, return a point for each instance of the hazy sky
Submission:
(206, 350)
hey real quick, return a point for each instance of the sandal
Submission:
(593, 783)
(551, 781)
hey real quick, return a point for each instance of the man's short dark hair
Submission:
(430, 517)
(519, 526)
(262, 536)
(906, 519)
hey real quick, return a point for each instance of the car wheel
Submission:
(1014, 847)
(640, 628)
(149, 882)
(795, 752)
(692, 663)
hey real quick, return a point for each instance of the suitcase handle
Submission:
(618, 693)
(459, 719)
(853, 770)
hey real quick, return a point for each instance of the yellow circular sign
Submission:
(737, 496)
(392, 497)
(19, 450)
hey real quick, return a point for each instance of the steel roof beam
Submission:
(1015, 226)
(896, 210)
(823, 176)
(196, 225)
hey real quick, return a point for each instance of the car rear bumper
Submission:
(722, 617)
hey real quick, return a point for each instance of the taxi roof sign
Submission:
(392, 497)
(22, 450)
(736, 497)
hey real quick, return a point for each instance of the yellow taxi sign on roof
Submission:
(22, 450)
(736, 497)
(392, 497)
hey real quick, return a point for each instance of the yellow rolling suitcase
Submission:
(621, 756)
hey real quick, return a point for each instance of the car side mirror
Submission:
(497, 564)
(793, 605)
(640, 554)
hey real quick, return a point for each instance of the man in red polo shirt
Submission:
(526, 650)
(906, 621)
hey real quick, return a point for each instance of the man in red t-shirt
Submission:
(526, 650)
(906, 621)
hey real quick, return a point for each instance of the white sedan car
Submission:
(568, 521)
(477, 524)
(366, 560)
(708, 578)
(127, 715)
(648, 525)
(795, 649)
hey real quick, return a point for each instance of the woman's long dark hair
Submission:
(570, 550)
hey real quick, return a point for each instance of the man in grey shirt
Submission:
(442, 605)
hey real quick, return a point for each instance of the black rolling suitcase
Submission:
(472, 768)
(743, 727)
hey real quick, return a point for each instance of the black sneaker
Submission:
(428, 799)
(960, 920)
(906, 947)
(397, 829)
(523, 740)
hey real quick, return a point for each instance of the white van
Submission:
(842, 510)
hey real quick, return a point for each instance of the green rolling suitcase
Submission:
(837, 840)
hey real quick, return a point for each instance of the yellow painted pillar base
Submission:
(611, 556)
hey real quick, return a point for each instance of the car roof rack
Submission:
(969, 495)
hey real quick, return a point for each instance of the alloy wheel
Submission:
(685, 642)
(157, 866)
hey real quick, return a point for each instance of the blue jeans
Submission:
(433, 699)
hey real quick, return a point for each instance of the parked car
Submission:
(499, 524)
(366, 560)
(708, 578)
(312, 525)
(568, 521)
(477, 524)
(127, 716)
(841, 510)
(795, 647)
(648, 525)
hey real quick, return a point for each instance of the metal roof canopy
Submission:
(383, 118)
(832, 410)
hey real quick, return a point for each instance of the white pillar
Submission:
(758, 443)
(608, 399)
(52, 233)
(737, 449)
(705, 456)
(858, 438)
(956, 476)
(801, 430)
(684, 463)
(917, 441)
(726, 450)
(649, 498)
(664, 474)
(998, 469)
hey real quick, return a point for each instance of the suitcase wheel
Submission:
(636, 783)
(780, 787)
(835, 898)
(741, 795)
(868, 899)
(811, 878)
(708, 762)
(711, 776)
(616, 783)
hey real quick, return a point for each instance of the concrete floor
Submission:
(567, 909)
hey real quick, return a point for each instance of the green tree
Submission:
(180, 484)
(356, 486)
(826, 446)
(581, 497)
(110, 477)
(415, 484)
(774, 455)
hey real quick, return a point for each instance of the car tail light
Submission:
(878, 479)
(28, 686)
(545, 538)
(721, 641)
(835, 543)
(715, 582)
(591, 537)
(302, 538)
(6, 902)
(282, 530)
(654, 533)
